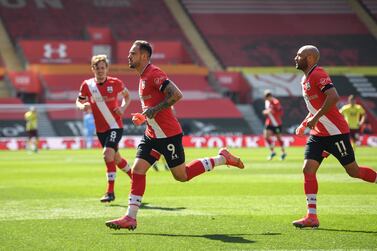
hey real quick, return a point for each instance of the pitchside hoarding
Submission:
(63, 143)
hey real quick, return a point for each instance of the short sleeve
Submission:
(158, 77)
(322, 80)
(362, 111)
(83, 90)
(119, 86)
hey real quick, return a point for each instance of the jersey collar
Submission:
(145, 68)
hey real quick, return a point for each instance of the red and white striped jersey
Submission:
(103, 99)
(313, 88)
(274, 117)
(164, 124)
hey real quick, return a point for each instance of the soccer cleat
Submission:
(282, 157)
(124, 222)
(307, 221)
(230, 159)
(272, 155)
(108, 197)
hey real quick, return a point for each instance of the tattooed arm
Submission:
(172, 96)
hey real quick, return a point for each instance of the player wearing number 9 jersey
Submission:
(100, 94)
(329, 131)
(163, 134)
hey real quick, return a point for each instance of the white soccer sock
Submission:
(111, 176)
(132, 211)
(126, 168)
(134, 202)
(219, 160)
(311, 199)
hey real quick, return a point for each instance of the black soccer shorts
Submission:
(110, 138)
(274, 129)
(171, 148)
(338, 145)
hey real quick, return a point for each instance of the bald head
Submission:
(307, 56)
(312, 51)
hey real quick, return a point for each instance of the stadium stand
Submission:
(11, 114)
(268, 33)
(12, 121)
(64, 86)
(240, 33)
(2, 67)
(371, 6)
(126, 19)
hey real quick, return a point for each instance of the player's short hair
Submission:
(267, 93)
(98, 58)
(144, 46)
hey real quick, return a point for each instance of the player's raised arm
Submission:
(172, 96)
(126, 100)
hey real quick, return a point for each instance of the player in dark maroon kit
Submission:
(329, 131)
(163, 134)
(100, 94)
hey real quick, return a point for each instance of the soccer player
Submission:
(273, 124)
(100, 94)
(329, 131)
(31, 118)
(355, 117)
(163, 133)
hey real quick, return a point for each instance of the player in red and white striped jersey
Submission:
(273, 125)
(163, 134)
(100, 94)
(329, 131)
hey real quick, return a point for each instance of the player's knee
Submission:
(108, 157)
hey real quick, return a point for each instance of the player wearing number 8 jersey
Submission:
(163, 134)
(329, 131)
(100, 94)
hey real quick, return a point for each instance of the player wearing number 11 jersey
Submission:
(163, 134)
(329, 131)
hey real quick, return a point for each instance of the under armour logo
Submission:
(60, 51)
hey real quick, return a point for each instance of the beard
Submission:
(302, 65)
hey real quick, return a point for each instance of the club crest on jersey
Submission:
(110, 89)
(307, 86)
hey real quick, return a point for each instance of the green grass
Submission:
(50, 201)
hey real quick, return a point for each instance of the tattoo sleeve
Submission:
(172, 95)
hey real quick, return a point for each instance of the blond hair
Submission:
(98, 58)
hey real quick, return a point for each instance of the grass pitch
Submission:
(50, 201)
